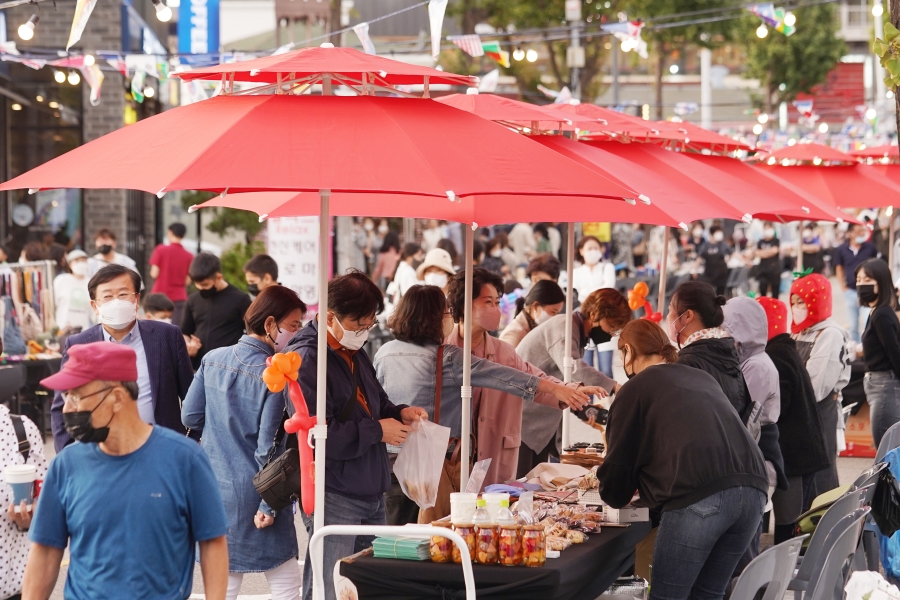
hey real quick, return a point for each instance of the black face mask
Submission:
(598, 336)
(253, 289)
(866, 294)
(104, 249)
(208, 293)
(625, 367)
(78, 425)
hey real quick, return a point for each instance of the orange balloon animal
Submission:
(282, 371)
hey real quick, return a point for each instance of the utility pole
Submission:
(615, 72)
(705, 88)
(880, 89)
(575, 53)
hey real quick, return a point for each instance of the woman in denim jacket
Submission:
(239, 417)
(407, 370)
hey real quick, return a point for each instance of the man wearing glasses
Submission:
(130, 500)
(163, 366)
(361, 419)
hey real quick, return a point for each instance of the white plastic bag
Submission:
(421, 460)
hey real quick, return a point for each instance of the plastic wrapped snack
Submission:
(576, 537)
(557, 543)
(441, 548)
(510, 545)
(534, 552)
(467, 532)
(554, 529)
(486, 546)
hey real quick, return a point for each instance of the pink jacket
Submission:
(497, 415)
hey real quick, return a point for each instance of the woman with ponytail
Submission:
(544, 301)
(673, 437)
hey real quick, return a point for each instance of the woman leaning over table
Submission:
(707, 478)
(544, 301)
(407, 369)
(239, 417)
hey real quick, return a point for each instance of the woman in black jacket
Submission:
(799, 426)
(674, 438)
(881, 345)
(695, 326)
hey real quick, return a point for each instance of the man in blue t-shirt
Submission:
(130, 500)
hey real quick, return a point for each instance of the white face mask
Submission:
(799, 313)
(543, 317)
(768, 233)
(354, 342)
(497, 253)
(118, 314)
(166, 320)
(488, 318)
(369, 226)
(698, 233)
(592, 257)
(718, 236)
(383, 229)
(79, 268)
(436, 279)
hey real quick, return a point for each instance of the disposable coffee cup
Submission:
(21, 481)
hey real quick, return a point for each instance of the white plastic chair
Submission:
(317, 549)
(771, 570)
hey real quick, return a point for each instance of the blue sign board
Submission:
(198, 27)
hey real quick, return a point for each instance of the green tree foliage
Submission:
(528, 14)
(663, 38)
(788, 66)
(234, 259)
(226, 220)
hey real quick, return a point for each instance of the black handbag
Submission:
(278, 482)
(886, 504)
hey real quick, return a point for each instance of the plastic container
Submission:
(462, 507)
(504, 515)
(510, 546)
(493, 502)
(534, 553)
(467, 532)
(441, 548)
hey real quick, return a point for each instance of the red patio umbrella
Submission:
(312, 65)
(513, 112)
(687, 136)
(888, 152)
(844, 186)
(808, 153)
(610, 123)
(311, 143)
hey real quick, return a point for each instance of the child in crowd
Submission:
(158, 307)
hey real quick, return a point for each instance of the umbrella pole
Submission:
(893, 231)
(568, 363)
(320, 431)
(663, 272)
(466, 391)
(800, 246)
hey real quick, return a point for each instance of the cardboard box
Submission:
(628, 514)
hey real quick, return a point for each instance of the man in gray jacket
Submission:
(603, 313)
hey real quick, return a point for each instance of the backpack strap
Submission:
(24, 444)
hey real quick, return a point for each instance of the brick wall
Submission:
(102, 208)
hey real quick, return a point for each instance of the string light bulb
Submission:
(163, 12)
(877, 9)
(74, 78)
(790, 19)
(59, 76)
(531, 55)
(149, 92)
(518, 54)
(762, 31)
(26, 29)
(89, 60)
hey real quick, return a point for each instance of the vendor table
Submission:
(582, 572)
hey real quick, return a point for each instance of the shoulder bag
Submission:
(278, 482)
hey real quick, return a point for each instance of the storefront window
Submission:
(44, 124)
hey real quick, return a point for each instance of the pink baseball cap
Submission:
(99, 361)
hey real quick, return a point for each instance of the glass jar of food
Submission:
(441, 547)
(534, 552)
(487, 541)
(467, 532)
(510, 545)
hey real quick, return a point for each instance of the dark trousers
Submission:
(178, 313)
(529, 459)
(769, 283)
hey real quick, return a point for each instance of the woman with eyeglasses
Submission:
(239, 417)
(407, 367)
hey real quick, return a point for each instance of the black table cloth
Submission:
(582, 572)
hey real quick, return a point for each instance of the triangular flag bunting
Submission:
(83, 10)
(766, 12)
(470, 44)
(493, 50)
(362, 32)
(436, 9)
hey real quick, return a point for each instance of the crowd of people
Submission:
(726, 407)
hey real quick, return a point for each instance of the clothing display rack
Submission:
(31, 283)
